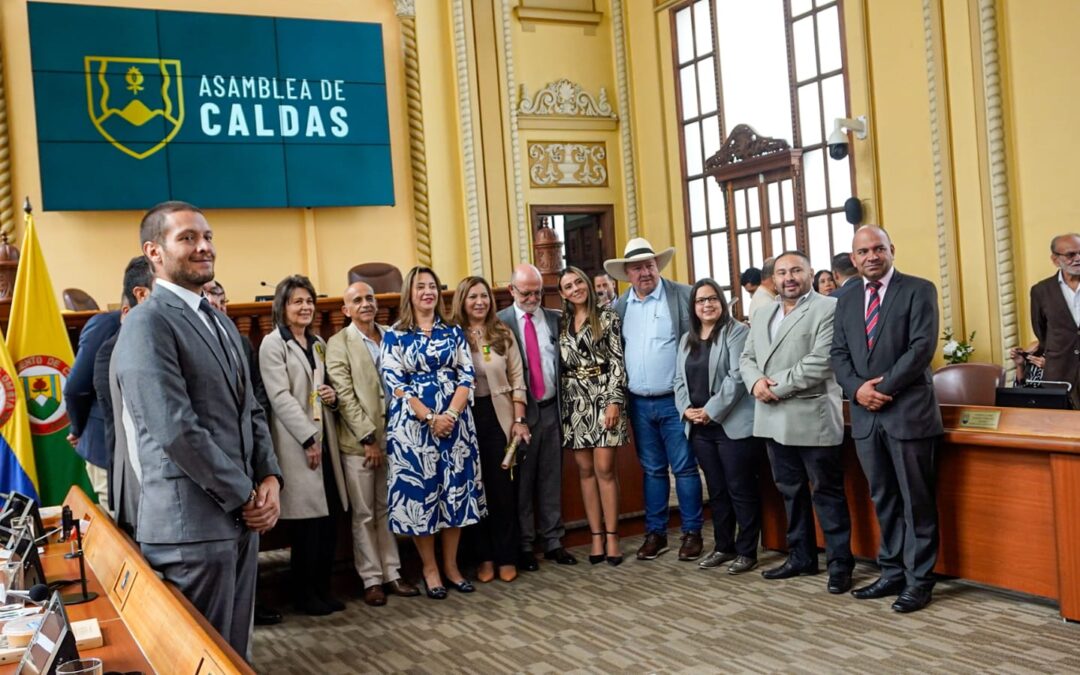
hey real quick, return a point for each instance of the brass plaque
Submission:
(980, 419)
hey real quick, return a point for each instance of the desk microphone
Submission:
(37, 594)
(37, 540)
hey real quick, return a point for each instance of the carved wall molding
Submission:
(515, 145)
(559, 164)
(406, 12)
(999, 176)
(566, 98)
(468, 152)
(622, 91)
(7, 212)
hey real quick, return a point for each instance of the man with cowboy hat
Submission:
(655, 313)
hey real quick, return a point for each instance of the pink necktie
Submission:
(532, 355)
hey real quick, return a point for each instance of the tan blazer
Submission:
(289, 382)
(360, 390)
(506, 380)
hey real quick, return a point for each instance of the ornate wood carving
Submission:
(745, 144)
(567, 164)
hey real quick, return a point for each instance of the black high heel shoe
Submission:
(613, 560)
(594, 559)
(463, 586)
(435, 592)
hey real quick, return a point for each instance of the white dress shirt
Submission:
(1072, 298)
(779, 315)
(549, 352)
(192, 300)
(884, 281)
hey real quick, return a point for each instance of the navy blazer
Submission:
(907, 340)
(82, 402)
(853, 282)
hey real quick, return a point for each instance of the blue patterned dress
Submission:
(433, 483)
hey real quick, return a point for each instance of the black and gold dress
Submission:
(593, 377)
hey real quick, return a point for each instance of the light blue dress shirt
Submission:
(651, 344)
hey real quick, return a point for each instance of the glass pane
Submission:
(778, 241)
(721, 263)
(839, 181)
(791, 242)
(799, 7)
(805, 49)
(814, 180)
(774, 203)
(740, 210)
(755, 243)
(843, 233)
(753, 66)
(710, 127)
(702, 30)
(832, 96)
(744, 252)
(692, 137)
(685, 35)
(688, 87)
(753, 207)
(809, 114)
(695, 190)
(789, 200)
(717, 218)
(707, 83)
(828, 27)
(701, 257)
(817, 232)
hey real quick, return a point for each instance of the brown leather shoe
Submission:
(654, 545)
(401, 589)
(691, 546)
(374, 596)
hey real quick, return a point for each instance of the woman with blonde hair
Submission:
(434, 465)
(498, 410)
(593, 398)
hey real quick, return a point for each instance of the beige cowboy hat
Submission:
(637, 250)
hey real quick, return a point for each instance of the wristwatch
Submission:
(519, 420)
(367, 440)
(429, 416)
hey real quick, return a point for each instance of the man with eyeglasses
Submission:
(539, 477)
(1055, 315)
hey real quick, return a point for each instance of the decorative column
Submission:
(622, 90)
(468, 153)
(406, 12)
(515, 145)
(9, 255)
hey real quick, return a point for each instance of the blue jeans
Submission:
(660, 442)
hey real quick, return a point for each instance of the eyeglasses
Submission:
(1068, 255)
(527, 294)
(712, 299)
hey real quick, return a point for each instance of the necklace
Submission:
(476, 331)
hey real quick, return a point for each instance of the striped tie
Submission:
(872, 313)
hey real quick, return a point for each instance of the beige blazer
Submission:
(506, 380)
(289, 382)
(360, 391)
(809, 411)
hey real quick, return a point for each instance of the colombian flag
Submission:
(17, 468)
(39, 347)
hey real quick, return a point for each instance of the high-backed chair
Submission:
(968, 383)
(78, 300)
(382, 277)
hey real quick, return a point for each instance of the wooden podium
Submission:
(1008, 501)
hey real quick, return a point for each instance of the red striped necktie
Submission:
(873, 313)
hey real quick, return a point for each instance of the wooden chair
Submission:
(78, 300)
(382, 277)
(968, 383)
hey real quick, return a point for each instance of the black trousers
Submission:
(496, 537)
(811, 479)
(313, 542)
(731, 474)
(902, 486)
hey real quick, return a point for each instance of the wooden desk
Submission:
(146, 624)
(1008, 503)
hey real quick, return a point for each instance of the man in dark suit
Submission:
(87, 433)
(536, 330)
(123, 483)
(210, 480)
(655, 314)
(844, 274)
(884, 339)
(1055, 315)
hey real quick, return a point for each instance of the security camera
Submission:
(838, 139)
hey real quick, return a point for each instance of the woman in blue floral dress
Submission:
(431, 446)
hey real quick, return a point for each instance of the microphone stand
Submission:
(86, 595)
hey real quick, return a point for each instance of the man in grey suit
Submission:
(885, 337)
(785, 366)
(655, 314)
(540, 473)
(210, 480)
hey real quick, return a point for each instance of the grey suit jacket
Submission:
(810, 410)
(507, 316)
(907, 339)
(125, 494)
(202, 445)
(729, 405)
(678, 300)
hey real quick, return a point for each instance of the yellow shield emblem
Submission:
(137, 104)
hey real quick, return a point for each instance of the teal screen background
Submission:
(81, 170)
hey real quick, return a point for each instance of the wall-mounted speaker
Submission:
(853, 210)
